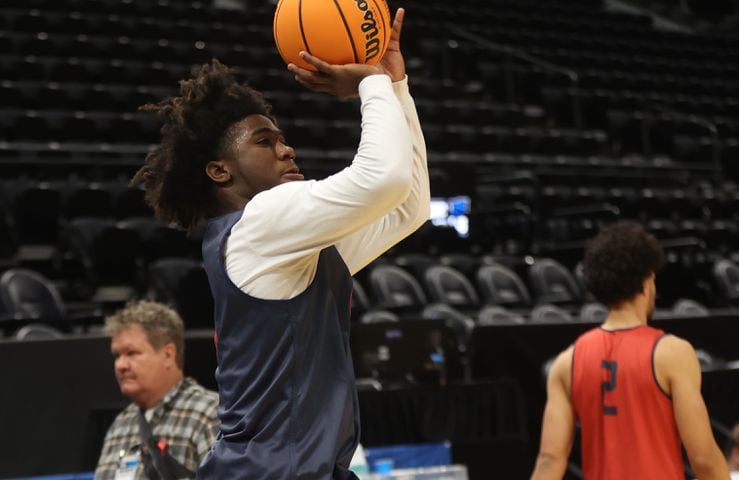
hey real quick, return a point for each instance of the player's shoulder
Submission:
(673, 345)
(562, 364)
(673, 351)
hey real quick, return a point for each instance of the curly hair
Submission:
(618, 260)
(161, 324)
(195, 132)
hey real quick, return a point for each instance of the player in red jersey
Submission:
(634, 390)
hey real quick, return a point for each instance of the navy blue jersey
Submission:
(288, 402)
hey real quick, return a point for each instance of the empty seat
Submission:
(102, 258)
(28, 294)
(449, 286)
(502, 286)
(726, 277)
(497, 315)
(183, 283)
(690, 308)
(552, 282)
(395, 288)
(379, 316)
(550, 314)
(593, 312)
(38, 331)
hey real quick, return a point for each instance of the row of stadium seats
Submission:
(524, 211)
(194, 10)
(97, 257)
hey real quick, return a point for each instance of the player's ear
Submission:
(218, 171)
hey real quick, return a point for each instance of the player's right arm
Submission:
(273, 249)
(679, 373)
(558, 427)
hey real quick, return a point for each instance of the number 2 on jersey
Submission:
(609, 386)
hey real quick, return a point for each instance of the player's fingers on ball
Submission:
(309, 75)
(397, 24)
(316, 62)
(295, 69)
(305, 83)
(303, 73)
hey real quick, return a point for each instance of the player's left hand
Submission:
(392, 62)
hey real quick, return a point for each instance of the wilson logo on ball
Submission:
(369, 27)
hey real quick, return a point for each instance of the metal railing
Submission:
(670, 113)
(512, 53)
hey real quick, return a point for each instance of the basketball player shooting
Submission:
(634, 389)
(280, 251)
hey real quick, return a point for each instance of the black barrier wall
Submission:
(58, 397)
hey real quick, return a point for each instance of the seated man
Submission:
(179, 415)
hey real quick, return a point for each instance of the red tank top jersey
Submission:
(628, 430)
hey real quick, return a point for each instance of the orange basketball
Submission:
(337, 31)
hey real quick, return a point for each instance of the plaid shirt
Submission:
(186, 418)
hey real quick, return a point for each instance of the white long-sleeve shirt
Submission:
(381, 198)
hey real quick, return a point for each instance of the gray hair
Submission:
(161, 324)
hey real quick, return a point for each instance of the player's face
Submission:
(139, 367)
(261, 158)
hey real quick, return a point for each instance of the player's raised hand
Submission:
(392, 62)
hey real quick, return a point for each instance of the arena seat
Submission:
(726, 276)
(102, 259)
(379, 316)
(183, 283)
(691, 308)
(28, 294)
(593, 312)
(502, 286)
(447, 285)
(552, 282)
(38, 331)
(497, 315)
(550, 314)
(395, 288)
